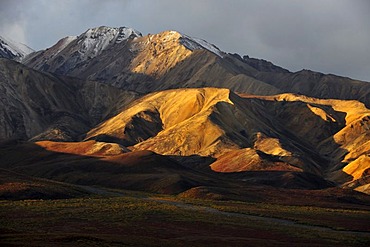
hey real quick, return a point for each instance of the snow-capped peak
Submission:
(11, 49)
(95, 40)
(196, 43)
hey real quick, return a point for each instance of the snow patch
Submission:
(196, 43)
(125, 33)
(95, 40)
(13, 48)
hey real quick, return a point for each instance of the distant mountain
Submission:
(319, 85)
(122, 57)
(13, 50)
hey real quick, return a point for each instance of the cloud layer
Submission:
(330, 36)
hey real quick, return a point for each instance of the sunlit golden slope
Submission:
(177, 123)
(247, 133)
(345, 136)
(286, 133)
(205, 121)
(88, 148)
(158, 53)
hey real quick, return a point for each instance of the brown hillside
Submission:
(248, 133)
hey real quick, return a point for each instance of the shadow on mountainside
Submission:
(300, 127)
(318, 85)
(307, 130)
(33, 172)
(141, 170)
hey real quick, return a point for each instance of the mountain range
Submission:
(169, 113)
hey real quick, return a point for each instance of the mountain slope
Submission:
(150, 63)
(42, 106)
(73, 52)
(254, 139)
(196, 114)
(16, 186)
(319, 85)
(173, 60)
(84, 164)
(248, 133)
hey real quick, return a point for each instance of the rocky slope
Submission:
(42, 106)
(150, 63)
(106, 165)
(173, 60)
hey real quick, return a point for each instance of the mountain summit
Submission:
(125, 59)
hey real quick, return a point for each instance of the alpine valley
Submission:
(165, 140)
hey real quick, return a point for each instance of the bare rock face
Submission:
(42, 106)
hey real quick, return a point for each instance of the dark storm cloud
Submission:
(331, 36)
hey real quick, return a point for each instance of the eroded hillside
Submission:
(284, 132)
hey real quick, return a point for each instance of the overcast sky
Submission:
(330, 36)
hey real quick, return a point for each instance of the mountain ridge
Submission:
(170, 59)
(114, 96)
